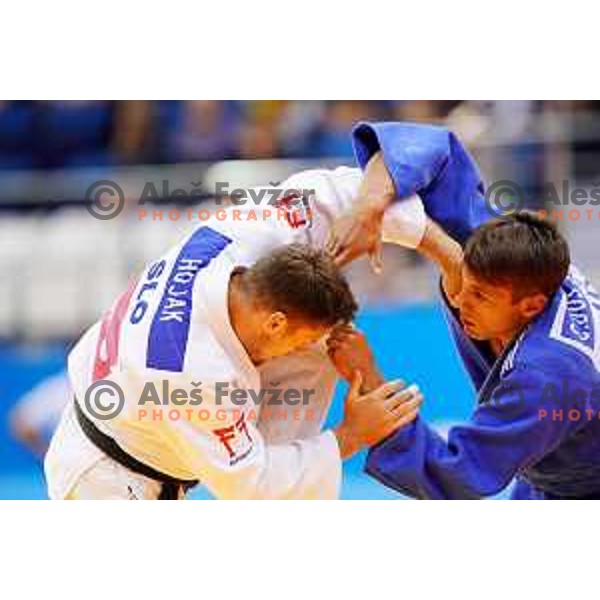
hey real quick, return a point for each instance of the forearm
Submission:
(376, 189)
(307, 468)
(440, 248)
(347, 441)
(417, 462)
(474, 463)
(480, 456)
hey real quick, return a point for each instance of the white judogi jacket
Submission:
(173, 326)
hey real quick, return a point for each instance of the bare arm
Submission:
(439, 247)
(359, 231)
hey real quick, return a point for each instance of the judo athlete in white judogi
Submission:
(240, 303)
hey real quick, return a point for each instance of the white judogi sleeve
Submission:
(331, 194)
(219, 444)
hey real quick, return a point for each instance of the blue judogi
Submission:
(537, 415)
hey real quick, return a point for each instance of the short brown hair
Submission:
(523, 251)
(304, 282)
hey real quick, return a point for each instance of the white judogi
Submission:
(173, 326)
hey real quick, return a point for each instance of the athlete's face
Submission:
(490, 312)
(268, 334)
(283, 336)
(264, 331)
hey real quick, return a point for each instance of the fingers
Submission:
(353, 246)
(400, 420)
(403, 397)
(398, 417)
(339, 250)
(375, 416)
(333, 245)
(345, 255)
(334, 345)
(342, 329)
(342, 333)
(343, 340)
(388, 389)
(348, 242)
(404, 406)
(355, 386)
(409, 404)
(376, 257)
(341, 238)
(333, 349)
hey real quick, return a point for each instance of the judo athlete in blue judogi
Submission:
(525, 322)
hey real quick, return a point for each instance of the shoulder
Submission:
(566, 336)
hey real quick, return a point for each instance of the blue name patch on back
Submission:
(169, 331)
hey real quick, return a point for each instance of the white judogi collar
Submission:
(214, 308)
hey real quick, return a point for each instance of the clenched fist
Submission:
(350, 353)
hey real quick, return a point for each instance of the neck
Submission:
(500, 343)
(497, 346)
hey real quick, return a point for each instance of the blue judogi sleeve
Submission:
(505, 434)
(432, 162)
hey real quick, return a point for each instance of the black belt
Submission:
(170, 485)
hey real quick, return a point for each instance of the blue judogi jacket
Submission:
(537, 416)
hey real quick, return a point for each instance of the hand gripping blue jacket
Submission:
(537, 417)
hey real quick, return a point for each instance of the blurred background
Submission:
(60, 268)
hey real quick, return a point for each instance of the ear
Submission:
(532, 306)
(277, 324)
